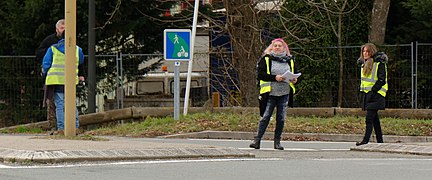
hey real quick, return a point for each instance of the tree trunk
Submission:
(244, 29)
(378, 21)
(340, 54)
(341, 61)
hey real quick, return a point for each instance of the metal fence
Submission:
(409, 76)
(409, 70)
(21, 92)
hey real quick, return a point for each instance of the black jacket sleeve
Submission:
(381, 78)
(81, 70)
(44, 45)
(262, 70)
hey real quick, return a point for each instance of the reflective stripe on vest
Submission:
(292, 70)
(56, 74)
(368, 81)
(265, 85)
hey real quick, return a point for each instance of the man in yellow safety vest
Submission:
(53, 65)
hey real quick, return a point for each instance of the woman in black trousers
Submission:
(373, 89)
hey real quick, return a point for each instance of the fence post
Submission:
(119, 81)
(216, 99)
(414, 75)
(91, 78)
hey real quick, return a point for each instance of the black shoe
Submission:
(360, 143)
(277, 145)
(255, 144)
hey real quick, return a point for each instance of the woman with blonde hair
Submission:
(373, 89)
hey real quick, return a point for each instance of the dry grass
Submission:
(153, 127)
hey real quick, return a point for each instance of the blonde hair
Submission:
(367, 69)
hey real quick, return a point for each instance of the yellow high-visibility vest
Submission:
(292, 70)
(56, 74)
(265, 86)
(368, 81)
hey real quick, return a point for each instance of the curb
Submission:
(421, 145)
(395, 148)
(297, 136)
(26, 156)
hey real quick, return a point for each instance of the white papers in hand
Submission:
(289, 75)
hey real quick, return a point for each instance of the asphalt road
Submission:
(300, 160)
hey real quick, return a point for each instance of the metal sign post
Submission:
(176, 90)
(119, 80)
(177, 47)
(188, 80)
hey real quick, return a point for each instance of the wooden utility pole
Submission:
(70, 68)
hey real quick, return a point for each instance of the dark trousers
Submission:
(51, 108)
(280, 103)
(373, 122)
(263, 103)
(51, 114)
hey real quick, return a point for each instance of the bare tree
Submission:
(335, 12)
(251, 24)
(341, 10)
(245, 21)
(244, 27)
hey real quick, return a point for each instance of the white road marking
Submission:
(297, 142)
(286, 149)
(2, 166)
(221, 140)
(335, 149)
(138, 162)
(371, 159)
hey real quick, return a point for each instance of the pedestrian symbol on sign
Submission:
(176, 39)
(177, 44)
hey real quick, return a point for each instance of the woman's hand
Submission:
(280, 78)
(293, 80)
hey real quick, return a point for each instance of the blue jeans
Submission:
(59, 102)
(280, 102)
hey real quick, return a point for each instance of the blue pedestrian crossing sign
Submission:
(177, 44)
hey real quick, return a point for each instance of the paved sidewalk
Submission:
(405, 148)
(33, 148)
(420, 145)
(30, 148)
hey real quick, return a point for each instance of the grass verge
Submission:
(153, 127)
